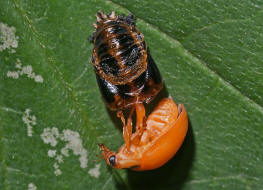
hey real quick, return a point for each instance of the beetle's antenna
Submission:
(100, 157)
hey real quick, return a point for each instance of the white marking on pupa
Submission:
(112, 15)
(30, 121)
(8, 39)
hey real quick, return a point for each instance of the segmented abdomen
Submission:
(162, 117)
(119, 54)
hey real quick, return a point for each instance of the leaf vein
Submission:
(221, 22)
(239, 177)
(80, 76)
(51, 62)
(7, 109)
(200, 63)
(106, 183)
(15, 170)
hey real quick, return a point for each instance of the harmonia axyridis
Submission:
(127, 77)
(162, 135)
(125, 71)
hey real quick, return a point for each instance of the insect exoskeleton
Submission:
(159, 138)
(125, 71)
(127, 77)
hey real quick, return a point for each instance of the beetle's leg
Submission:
(140, 123)
(127, 128)
(140, 119)
(124, 128)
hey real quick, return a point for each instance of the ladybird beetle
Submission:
(127, 77)
(162, 135)
(125, 71)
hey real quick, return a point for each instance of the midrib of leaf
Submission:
(240, 177)
(221, 22)
(201, 64)
(52, 64)
(60, 79)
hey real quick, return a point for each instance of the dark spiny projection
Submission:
(117, 29)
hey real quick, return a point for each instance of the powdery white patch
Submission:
(12, 74)
(64, 151)
(32, 186)
(73, 142)
(95, 172)
(30, 121)
(59, 158)
(8, 39)
(39, 79)
(24, 70)
(57, 171)
(50, 135)
(51, 153)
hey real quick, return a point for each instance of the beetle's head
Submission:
(118, 160)
(108, 156)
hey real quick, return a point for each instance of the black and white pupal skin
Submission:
(125, 71)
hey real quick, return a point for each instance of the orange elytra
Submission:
(155, 141)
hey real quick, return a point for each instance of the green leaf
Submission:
(209, 54)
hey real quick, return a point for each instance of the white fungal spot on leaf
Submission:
(73, 142)
(30, 121)
(12, 74)
(39, 78)
(24, 70)
(8, 39)
(95, 172)
(50, 135)
(32, 186)
(51, 153)
(64, 151)
(59, 158)
(57, 171)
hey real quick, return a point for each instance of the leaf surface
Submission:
(209, 54)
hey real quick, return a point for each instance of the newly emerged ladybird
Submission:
(127, 77)
(162, 135)
(125, 71)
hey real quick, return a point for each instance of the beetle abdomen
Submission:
(119, 53)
